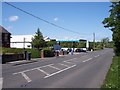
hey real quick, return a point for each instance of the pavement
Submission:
(82, 70)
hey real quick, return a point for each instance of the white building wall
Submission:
(17, 41)
(20, 45)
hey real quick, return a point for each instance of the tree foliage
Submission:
(38, 40)
(113, 23)
(104, 42)
(51, 43)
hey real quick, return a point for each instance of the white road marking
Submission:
(25, 64)
(54, 67)
(68, 62)
(26, 77)
(59, 71)
(63, 65)
(87, 60)
(31, 69)
(43, 71)
(97, 56)
(71, 59)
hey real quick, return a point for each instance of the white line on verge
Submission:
(59, 71)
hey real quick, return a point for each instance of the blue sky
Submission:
(82, 17)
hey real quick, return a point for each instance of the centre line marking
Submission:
(54, 67)
(59, 71)
(26, 77)
(71, 59)
(87, 60)
(43, 71)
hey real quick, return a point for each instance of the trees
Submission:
(38, 41)
(51, 43)
(113, 23)
(104, 42)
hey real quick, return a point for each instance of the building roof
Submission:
(3, 30)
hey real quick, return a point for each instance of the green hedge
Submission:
(48, 52)
(35, 53)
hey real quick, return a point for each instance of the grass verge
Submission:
(113, 77)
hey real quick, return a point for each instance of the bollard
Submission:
(25, 55)
(42, 54)
(29, 56)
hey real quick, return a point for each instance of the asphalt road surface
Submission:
(83, 70)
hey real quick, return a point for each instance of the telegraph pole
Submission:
(93, 41)
(24, 44)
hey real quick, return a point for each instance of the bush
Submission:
(35, 53)
(48, 52)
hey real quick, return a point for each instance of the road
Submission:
(84, 70)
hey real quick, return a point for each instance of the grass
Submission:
(112, 78)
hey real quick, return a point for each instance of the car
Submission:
(80, 50)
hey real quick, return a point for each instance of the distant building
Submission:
(23, 41)
(5, 39)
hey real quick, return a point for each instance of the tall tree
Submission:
(113, 23)
(38, 41)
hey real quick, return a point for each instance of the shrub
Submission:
(48, 52)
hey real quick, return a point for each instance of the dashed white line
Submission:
(87, 60)
(54, 67)
(63, 65)
(71, 59)
(68, 62)
(26, 77)
(59, 71)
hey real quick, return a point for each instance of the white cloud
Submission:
(13, 18)
(55, 19)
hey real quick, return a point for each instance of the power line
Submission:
(41, 18)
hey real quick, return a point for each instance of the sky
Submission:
(85, 18)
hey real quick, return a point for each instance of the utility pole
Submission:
(93, 41)
(24, 44)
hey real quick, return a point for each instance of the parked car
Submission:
(80, 50)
